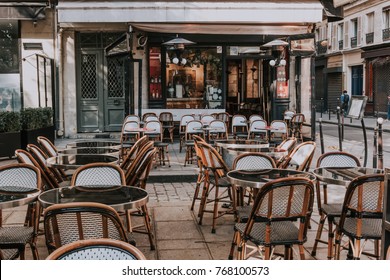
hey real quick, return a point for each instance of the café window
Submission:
(155, 89)
(193, 78)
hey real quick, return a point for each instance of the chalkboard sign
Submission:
(357, 107)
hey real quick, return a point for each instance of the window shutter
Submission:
(334, 37)
(346, 37)
(359, 31)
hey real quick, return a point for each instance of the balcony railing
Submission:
(386, 34)
(341, 44)
(322, 46)
(353, 42)
(370, 38)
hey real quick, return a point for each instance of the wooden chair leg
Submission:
(318, 235)
(234, 244)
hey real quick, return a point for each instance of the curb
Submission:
(353, 125)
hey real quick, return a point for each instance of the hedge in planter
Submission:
(9, 133)
(36, 122)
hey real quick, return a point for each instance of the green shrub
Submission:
(9, 121)
(33, 118)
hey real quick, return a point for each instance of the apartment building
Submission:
(354, 54)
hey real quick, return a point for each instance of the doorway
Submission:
(102, 84)
(357, 80)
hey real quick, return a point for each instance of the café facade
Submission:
(102, 60)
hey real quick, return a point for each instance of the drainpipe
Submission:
(57, 43)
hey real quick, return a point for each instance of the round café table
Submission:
(343, 175)
(74, 161)
(118, 197)
(94, 144)
(17, 197)
(91, 150)
(258, 178)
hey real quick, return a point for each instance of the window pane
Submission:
(9, 51)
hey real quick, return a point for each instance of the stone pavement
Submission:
(177, 232)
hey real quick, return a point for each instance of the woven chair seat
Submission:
(332, 209)
(284, 232)
(9, 254)
(371, 228)
(15, 235)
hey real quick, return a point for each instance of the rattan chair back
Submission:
(97, 249)
(101, 174)
(361, 216)
(69, 222)
(49, 180)
(278, 205)
(253, 161)
(301, 157)
(20, 178)
(47, 146)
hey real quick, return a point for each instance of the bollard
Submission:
(339, 129)
(322, 106)
(375, 150)
(321, 137)
(380, 143)
(365, 141)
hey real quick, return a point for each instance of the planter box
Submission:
(29, 136)
(9, 142)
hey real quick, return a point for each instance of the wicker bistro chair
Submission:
(192, 128)
(330, 211)
(41, 158)
(146, 115)
(301, 157)
(278, 130)
(155, 132)
(218, 130)
(239, 127)
(131, 117)
(98, 174)
(225, 117)
(182, 128)
(215, 180)
(69, 222)
(287, 116)
(280, 216)
(201, 173)
(258, 128)
(361, 216)
(137, 175)
(97, 249)
(249, 161)
(50, 150)
(20, 178)
(207, 119)
(48, 179)
(47, 146)
(129, 157)
(166, 118)
(255, 117)
(296, 124)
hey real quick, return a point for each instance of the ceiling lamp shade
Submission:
(178, 43)
(276, 42)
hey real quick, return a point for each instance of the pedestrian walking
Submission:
(388, 107)
(344, 100)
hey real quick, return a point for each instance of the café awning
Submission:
(207, 17)
(26, 10)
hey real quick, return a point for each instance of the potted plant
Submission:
(36, 122)
(9, 133)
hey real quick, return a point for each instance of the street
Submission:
(354, 141)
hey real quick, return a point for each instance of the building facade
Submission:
(96, 61)
(354, 54)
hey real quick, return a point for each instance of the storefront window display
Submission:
(193, 78)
